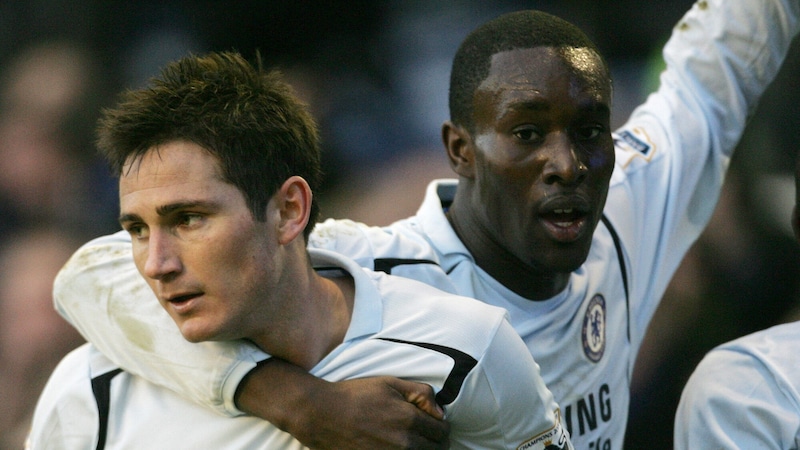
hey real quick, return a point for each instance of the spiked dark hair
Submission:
(248, 118)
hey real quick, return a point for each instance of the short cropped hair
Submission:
(248, 118)
(517, 30)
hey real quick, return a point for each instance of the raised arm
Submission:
(100, 292)
(673, 153)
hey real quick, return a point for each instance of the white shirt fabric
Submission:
(483, 375)
(671, 157)
(745, 394)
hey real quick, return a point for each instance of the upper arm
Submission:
(505, 399)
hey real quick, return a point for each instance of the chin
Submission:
(195, 334)
(568, 260)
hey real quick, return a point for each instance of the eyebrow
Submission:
(534, 105)
(165, 210)
(127, 218)
(542, 105)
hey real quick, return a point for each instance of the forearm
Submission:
(278, 392)
(724, 54)
(379, 412)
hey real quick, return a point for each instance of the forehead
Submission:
(541, 68)
(170, 165)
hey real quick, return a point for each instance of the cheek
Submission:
(246, 255)
(139, 257)
(230, 256)
(602, 159)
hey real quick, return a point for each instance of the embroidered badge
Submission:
(552, 439)
(633, 142)
(594, 328)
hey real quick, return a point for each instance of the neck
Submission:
(320, 317)
(524, 279)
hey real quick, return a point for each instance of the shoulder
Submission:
(769, 353)
(773, 351)
(761, 364)
(757, 375)
(357, 240)
(65, 411)
(463, 322)
(403, 292)
(73, 369)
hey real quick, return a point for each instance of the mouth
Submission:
(181, 303)
(566, 222)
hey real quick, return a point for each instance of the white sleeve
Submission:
(504, 403)
(732, 401)
(673, 152)
(395, 249)
(100, 292)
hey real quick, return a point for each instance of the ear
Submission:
(460, 152)
(293, 200)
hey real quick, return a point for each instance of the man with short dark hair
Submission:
(217, 161)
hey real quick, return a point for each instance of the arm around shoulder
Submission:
(100, 292)
(378, 412)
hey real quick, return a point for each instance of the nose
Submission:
(563, 164)
(162, 260)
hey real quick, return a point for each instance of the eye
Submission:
(189, 219)
(589, 132)
(136, 230)
(528, 134)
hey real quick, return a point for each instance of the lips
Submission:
(182, 298)
(181, 303)
(565, 218)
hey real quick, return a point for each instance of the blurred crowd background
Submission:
(375, 74)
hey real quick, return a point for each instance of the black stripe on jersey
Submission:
(331, 271)
(621, 259)
(463, 364)
(387, 264)
(101, 388)
(446, 194)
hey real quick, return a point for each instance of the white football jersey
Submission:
(744, 394)
(481, 372)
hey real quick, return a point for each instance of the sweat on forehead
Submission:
(517, 30)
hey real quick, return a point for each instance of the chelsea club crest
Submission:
(594, 328)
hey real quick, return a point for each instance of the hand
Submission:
(368, 413)
(380, 412)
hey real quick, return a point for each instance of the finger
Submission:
(420, 395)
(435, 432)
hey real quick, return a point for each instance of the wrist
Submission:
(280, 393)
